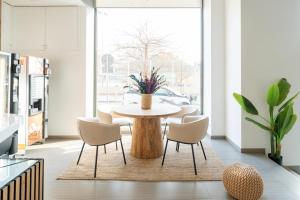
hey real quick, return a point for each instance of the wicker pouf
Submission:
(243, 182)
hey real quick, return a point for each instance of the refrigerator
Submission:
(24, 90)
(31, 100)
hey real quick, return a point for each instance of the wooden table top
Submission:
(157, 110)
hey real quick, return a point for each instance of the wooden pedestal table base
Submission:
(146, 138)
(146, 135)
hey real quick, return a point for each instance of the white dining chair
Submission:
(186, 110)
(191, 131)
(107, 118)
(98, 134)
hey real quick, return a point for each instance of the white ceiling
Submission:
(44, 2)
(149, 3)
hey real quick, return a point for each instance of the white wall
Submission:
(270, 50)
(148, 3)
(214, 67)
(217, 67)
(57, 33)
(262, 45)
(207, 60)
(89, 58)
(233, 69)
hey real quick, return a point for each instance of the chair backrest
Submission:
(97, 133)
(189, 110)
(105, 117)
(200, 123)
(186, 110)
(193, 118)
(192, 130)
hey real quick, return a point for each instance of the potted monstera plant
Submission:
(281, 117)
(147, 85)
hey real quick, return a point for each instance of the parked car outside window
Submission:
(163, 95)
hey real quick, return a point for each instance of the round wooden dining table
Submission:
(146, 133)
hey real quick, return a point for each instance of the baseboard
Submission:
(295, 169)
(246, 150)
(233, 144)
(64, 137)
(218, 137)
(253, 150)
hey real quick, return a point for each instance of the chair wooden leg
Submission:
(104, 149)
(116, 145)
(163, 160)
(165, 130)
(80, 153)
(96, 160)
(195, 169)
(130, 128)
(203, 150)
(123, 151)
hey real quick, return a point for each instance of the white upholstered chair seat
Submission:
(175, 120)
(122, 121)
(186, 110)
(97, 134)
(107, 118)
(192, 130)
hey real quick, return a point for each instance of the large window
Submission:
(166, 38)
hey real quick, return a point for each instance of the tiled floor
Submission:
(279, 183)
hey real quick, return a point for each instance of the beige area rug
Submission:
(178, 166)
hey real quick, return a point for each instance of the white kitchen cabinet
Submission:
(46, 29)
(62, 28)
(29, 28)
(6, 27)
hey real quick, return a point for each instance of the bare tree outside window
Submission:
(131, 41)
(143, 45)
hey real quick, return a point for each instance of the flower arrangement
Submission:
(148, 85)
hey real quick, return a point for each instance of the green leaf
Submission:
(289, 111)
(258, 124)
(245, 104)
(283, 116)
(286, 120)
(133, 77)
(290, 125)
(288, 101)
(273, 95)
(284, 89)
